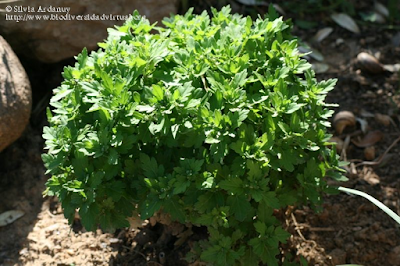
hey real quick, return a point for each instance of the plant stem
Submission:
(377, 203)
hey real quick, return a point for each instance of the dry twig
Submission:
(379, 161)
(297, 227)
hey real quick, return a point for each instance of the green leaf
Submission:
(255, 170)
(61, 93)
(149, 207)
(113, 157)
(293, 107)
(156, 128)
(265, 214)
(271, 200)
(158, 92)
(48, 133)
(174, 130)
(82, 58)
(89, 214)
(234, 185)
(107, 81)
(210, 254)
(181, 185)
(240, 79)
(208, 201)
(173, 208)
(265, 252)
(281, 235)
(150, 166)
(116, 190)
(240, 206)
(260, 228)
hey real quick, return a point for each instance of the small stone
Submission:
(114, 240)
(369, 63)
(70, 252)
(57, 248)
(23, 252)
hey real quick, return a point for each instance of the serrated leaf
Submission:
(149, 166)
(271, 200)
(208, 201)
(48, 133)
(173, 208)
(149, 207)
(89, 214)
(233, 185)
(240, 206)
(115, 190)
(281, 235)
(260, 227)
(181, 186)
(210, 254)
(265, 252)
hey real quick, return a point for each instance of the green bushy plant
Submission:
(215, 121)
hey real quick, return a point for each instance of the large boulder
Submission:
(15, 96)
(70, 25)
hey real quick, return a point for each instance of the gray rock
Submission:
(64, 34)
(15, 96)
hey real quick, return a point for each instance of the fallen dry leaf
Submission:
(378, 17)
(363, 124)
(369, 153)
(381, 9)
(135, 222)
(252, 3)
(383, 119)
(305, 48)
(365, 113)
(322, 34)
(346, 22)
(9, 217)
(342, 120)
(279, 9)
(320, 67)
(370, 139)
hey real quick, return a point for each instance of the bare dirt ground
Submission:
(348, 230)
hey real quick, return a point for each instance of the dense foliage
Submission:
(216, 121)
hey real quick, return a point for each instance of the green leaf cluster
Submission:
(217, 121)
